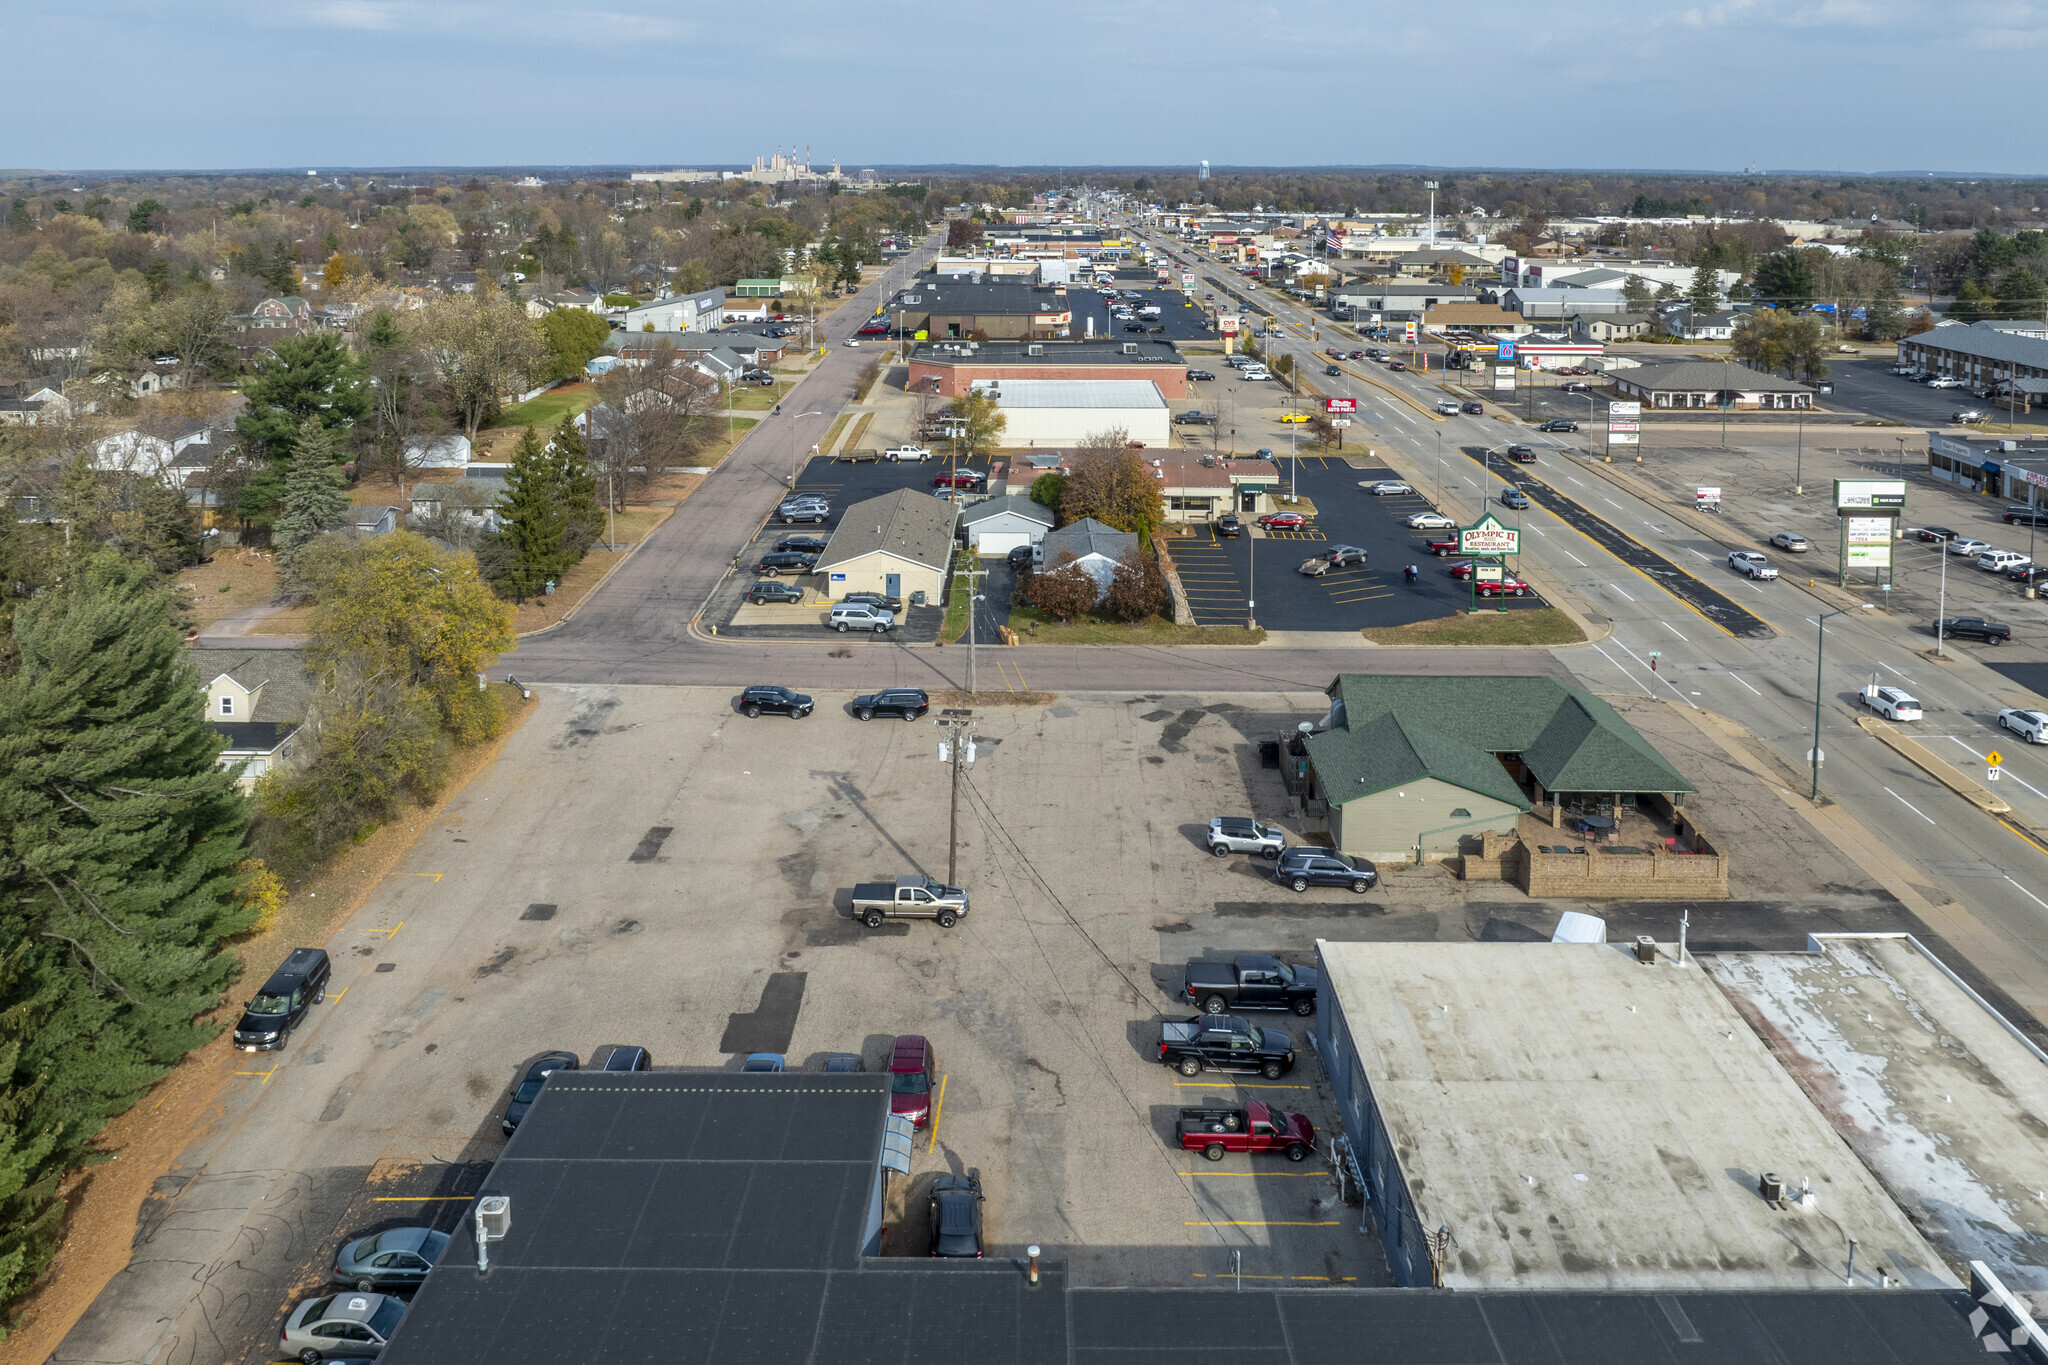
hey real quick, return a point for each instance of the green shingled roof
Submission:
(1397, 729)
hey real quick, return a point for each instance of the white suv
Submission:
(856, 616)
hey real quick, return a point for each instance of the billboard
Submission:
(1867, 542)
(1340, 405)
(1629, 411)
(1871, 493)
(1503, 378)
(1489, 537)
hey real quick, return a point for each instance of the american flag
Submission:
(1333, 240)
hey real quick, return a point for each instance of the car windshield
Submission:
(910, 1083)
(270, 1004)
(385, 1320)
(528, 1089)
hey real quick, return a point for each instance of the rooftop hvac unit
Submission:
(1130, 348)
(493, 1221)
(1034, 350)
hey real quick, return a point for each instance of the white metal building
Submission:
(1062, 412)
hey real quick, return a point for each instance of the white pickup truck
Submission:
(1752, 563)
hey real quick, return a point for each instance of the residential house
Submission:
(1701, 384)
(255, 699)
(1708, 326)
(440, 452)
(469, 503)
(900, 543)
(1096, 548)
(165, 452)
(572, 297)
(1000, 525)
(372, 520)
(269, 322)
(34, 400)
(1605, 327)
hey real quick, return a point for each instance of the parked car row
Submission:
(1298, 867)
(905, 703)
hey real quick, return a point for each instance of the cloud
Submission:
(369, 15)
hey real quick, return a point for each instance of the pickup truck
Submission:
(1254, 1128)
(1224, 1042)
(1194, 419)
(1249, 981)
(1448, 545)
(908, 898)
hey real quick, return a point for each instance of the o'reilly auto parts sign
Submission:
(1870, 493)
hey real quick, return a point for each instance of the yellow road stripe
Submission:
(937, 1104)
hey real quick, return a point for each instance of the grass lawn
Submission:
(956, 609)
(1528, 626)
(548, 410)
(1033, 627)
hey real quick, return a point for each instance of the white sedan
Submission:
(851, 341)
(1891, 703)
(1387, 486)
(1430, 521)
(2031, 726)
(1752, 563)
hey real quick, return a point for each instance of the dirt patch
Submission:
(951, 698)
(106, 1201)
(235, 580)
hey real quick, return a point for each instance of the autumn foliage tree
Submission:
(1112, 483)
(1062, 592)
(1137, 589)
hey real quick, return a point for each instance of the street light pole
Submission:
(1799, 460)
(794, 447)
(1818, 653)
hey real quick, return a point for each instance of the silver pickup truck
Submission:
(908, 898)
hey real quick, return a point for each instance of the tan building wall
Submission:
(955, 379)
(870, 573)
(1385, 827)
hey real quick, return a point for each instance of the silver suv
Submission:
(858, 616)
(1230, 834)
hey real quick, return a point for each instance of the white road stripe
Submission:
(1889, 669)
(2008, 772)
(1695, 553)
(2028, 894)
(1624, 672)
(1739, 678)
(1924, 816)
(1625, 595)
(1673, 629)
(1620, 644)
(1575, 559)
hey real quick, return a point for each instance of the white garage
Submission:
(1002, 524)
(1050, 413)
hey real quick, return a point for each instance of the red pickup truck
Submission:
(1446, 546)
(1254, 1128)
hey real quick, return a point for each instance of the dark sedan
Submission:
(1559, 424)
(529, 1088)
(397, 1259)
(766, 697)
(874, 599)
(1475, 409)
(1340, 555)
(905, 703)
(956, 1215)
(1936, 534)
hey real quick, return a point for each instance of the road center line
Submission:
(1916, 810)
(1889, 669)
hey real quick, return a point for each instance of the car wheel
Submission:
(1271, 855)
(2002, 724)
(872, 919)
(1305, 1006)
(1360, 886)
(866, 713)
(910, 715)
(947, 919)
(310, 1356)
(1221, 851)
(772, 573)
(1296, 1152)
(366, 1286)
(1521, 592)
(320, 996)
(1215, 1004)
(842, 627)
(881, 630)
(1299, 884)
(1191, 1066)
(1271, 1071)
(753, 713)
(1214, 1151)
(1998, 639)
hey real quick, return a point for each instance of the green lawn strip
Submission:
(1034, 627)
(1524, 626)
(955, 627)
(548, 410)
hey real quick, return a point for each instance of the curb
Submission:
(1947, 774)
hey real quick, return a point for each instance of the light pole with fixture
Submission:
(1820, 650)
(794, 447)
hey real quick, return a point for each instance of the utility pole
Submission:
(970, 575)
(955, 749)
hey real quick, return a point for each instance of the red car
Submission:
(1254, 1128)
(913, 1068)
(1283, 521)
(959, 478)
(1356, 355)
(1461, 570)
(1440, 548)
(1509, 587)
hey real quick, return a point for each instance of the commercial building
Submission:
(1984, 355)
(736, 1217)
(1409, 765)
(997, 312)
(680, 313)
(899, 544)
(1063, 412)
(951, 368)
(1703, 383)
(1561, 303)
(1489, 318)
(1405, 301)
(1563, 1116)
(1999, 467)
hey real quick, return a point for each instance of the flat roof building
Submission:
(1562, 1116)
(951, 368)
(1061, 412)
(1700, 384)
(994, 311)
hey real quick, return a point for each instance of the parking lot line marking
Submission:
(340, 993)
(422, 1199)
(1241, 1085)
(266, 1075)
(937, 1105)
(1247, 1223)
(1910, 806)
(387, 932)
(435, 875)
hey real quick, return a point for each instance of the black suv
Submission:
(803, 545)
(763, 697)
(1020, 558)
(1973, 628)
(1200, 375)
(907, 703)
(875, 599)
(785, 561)
(768, 590)
(1303, 867)
(273, 1012)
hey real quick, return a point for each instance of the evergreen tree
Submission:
(1704, 294)
(382, 333)
(582, 514)
(282, 271)
(83, 505)
(1884, 318)
(117, 867)
(532, 527)
(304, 377)
(166, 527)
(315, 501)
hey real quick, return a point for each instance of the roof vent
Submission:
(493, 1221)
(1130, 348)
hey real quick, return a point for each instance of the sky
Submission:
(1815, 85)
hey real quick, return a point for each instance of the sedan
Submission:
(1332, 370)
(1507, 587)
(397, 1259)
(529, 1088)
(1791, 541)
(1306, 866)
(1387, 487)
(2031, 726)
(1936, 534)
(800, 545)
(1751, 563)
(340, 1325)
(764, 1062)
(1429, 521)
(1576, 386)
(874, 599)
(956, 1215)
(1293, 418)
(1475, 409)
(769, 590)
(905, 703)
(851, 341)
(1395, 365)
(1340, 555)
(1559, 424)
(1515, 498)
(1969, 548)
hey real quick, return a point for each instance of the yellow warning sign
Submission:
(1994, 758)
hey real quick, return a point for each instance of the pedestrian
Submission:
(1409, 573)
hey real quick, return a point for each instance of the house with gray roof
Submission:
(256, 699)
(1096, 548)
(1000, 525)
(900, 544)
(1700, 384)
(1423, 762)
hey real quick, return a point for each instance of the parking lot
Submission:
(1221, 574)
(1179, 314)
(647, 866)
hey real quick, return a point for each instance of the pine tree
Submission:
(1704, 294)
(166, 527)
(532, 526)
(583, 516)
(315, 501)
(118, 872)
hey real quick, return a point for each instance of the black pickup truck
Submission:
(1250, 981)
(1224, 1042)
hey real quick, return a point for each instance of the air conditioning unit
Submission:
(1130, 348)
(1034, 350)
